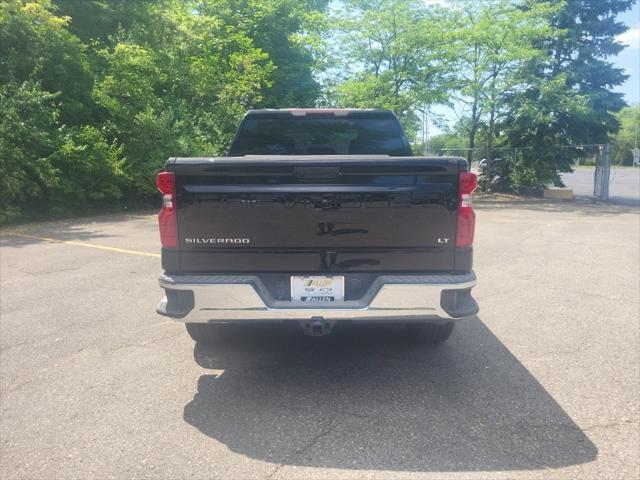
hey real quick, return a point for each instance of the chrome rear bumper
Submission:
(227, 298)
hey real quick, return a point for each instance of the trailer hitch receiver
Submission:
(316, 327)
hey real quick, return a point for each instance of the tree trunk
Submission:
(492, 117)
(472, 131)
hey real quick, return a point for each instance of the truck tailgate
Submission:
(316, 213)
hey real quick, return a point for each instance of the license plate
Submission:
(317, 289)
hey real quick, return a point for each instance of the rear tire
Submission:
(430, 332)
(205, 333)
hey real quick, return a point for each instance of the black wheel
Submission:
(205, 333)
(430, 332)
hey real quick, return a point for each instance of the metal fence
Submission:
(599, 155)
(602, 172)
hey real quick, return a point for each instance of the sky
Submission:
(628, 59)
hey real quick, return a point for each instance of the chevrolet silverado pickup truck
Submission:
(317, 217)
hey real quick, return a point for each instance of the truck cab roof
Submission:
(337, 112)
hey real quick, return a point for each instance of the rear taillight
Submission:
(166, 183)
(467, 183)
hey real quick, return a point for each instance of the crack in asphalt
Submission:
(301, 451)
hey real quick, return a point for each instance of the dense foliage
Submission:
(530, 79)
(566, 98)
(391, 54)
(96, 94)
(628, 138)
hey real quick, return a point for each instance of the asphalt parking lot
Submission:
(624, 183)
(543, 384)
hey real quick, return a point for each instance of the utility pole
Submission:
(424, 130)
(636, 152)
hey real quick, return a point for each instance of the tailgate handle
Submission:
(315, 174)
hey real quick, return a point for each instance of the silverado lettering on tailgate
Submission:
(211, 241)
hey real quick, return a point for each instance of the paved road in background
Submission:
(624, 183)
(545, 383)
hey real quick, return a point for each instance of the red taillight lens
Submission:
(467, 183)
(166, 182)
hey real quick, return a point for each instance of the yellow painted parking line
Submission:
(83, 244)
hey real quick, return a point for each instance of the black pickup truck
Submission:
(317, 216)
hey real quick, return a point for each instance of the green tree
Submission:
(628, 137)
(89, 172)
(395, 54)
(101, 19)
(588, 38)
(136, 115)
(35, 45)
(97, 94)
(493, 40)
(567, 99)
(45, 81)
(28, 137)
(282, 29)
(154, 113)
(453, 140)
